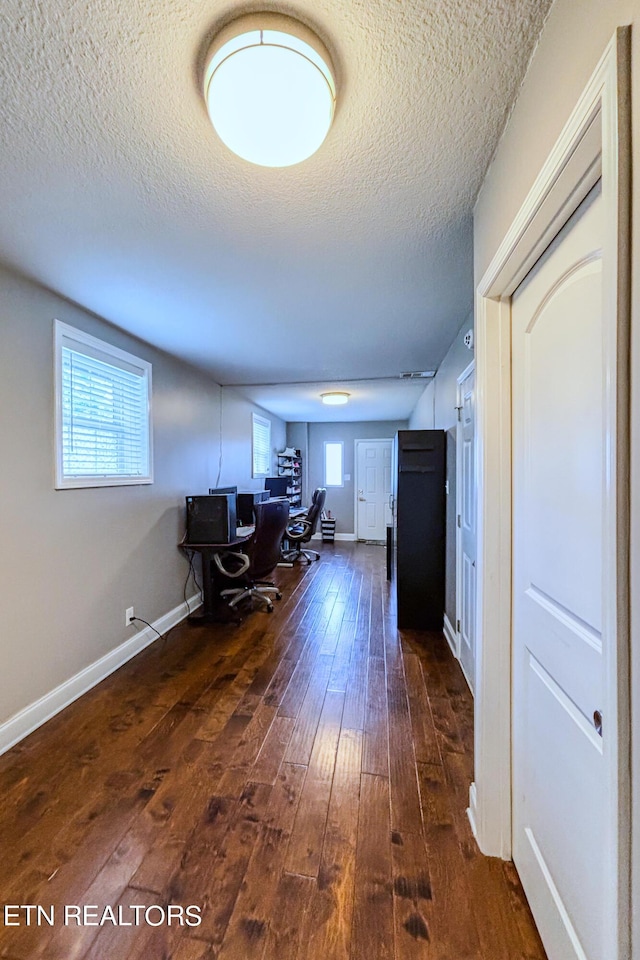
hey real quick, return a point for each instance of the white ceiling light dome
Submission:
(270, 89)
(335, 398)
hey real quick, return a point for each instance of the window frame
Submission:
(256, 418)
(67, 336)
(334, 443)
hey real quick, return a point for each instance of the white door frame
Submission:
(355, 475)
(595, 142)
(463, 376)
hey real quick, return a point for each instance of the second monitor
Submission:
(245, 503)
(214, 491)
(277, 486)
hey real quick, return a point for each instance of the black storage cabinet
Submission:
(419, 527)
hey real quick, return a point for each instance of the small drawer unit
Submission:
(328, 529)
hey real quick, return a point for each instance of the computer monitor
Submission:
(245, 503)
(213, 491)
(277, 486)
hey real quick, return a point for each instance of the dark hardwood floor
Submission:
(302, 779)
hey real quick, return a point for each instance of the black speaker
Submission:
(211, 519)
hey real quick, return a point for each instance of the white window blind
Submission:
(103, 434)
(261, 446)
(333, 452)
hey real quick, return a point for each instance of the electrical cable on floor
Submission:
(191, 572)
(162, 636)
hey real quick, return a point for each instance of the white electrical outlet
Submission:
(128, 616)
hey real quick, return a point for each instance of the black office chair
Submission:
(259, 558)
(303, 528)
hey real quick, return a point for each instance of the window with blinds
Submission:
(261, 446)
(103, 412)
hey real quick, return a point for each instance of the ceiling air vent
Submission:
(417, 375)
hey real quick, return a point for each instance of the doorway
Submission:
(593, 147)
(373, 489)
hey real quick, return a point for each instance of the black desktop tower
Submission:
(419, 520)
(211, 519)
(245, 503)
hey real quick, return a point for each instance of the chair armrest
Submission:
(305, 524)
(217, 559)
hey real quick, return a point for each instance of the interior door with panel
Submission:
(563, 801)
(373, 489)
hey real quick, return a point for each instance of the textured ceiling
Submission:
(368, 400)
(116, 193)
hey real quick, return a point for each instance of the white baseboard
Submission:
(453, 639)
(472, 809)
(464, 674)
(450, 634)
(21, 724)
(338, 536)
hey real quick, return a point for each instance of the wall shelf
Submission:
(290, 466)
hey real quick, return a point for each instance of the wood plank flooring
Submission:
(301, 778)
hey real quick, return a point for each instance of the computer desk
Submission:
(211, 607)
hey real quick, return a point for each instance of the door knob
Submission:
(362, 499)
(597, 721)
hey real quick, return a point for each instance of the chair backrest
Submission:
(314, 511)
(271, 523)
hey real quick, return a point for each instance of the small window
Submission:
(103, 412)
(261, 446)
(333, 457)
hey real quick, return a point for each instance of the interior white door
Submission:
(564, 801)
(466, 485)
(373, 488)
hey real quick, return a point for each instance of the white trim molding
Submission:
(493, 584)
(338, 536)
(19, 726)
(468, 370)
(471, 809)
(594, 143)
(451, 635)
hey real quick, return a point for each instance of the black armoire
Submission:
(419, 527)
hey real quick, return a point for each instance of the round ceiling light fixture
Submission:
(269, 89)
(335, 398)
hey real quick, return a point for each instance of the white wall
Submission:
(436, 408)
(423, 416)
(571, 44)
(72, 561)
(236, 441)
